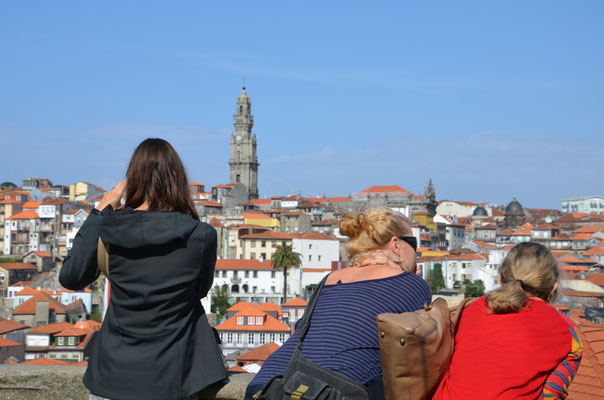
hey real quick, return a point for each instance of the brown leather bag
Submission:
(416, 349)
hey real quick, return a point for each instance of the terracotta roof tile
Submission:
(386, 189)
(270, 324)
(9, 325)
(11, 266)
(315, 236)
(259, 354)
(597, 279)
(572, 259)
(9, 343)
(42, 253)
(27, 214)
(29, 306)
(51, 328)
(236, 368)
(44, 361)
(259, 202)
(31, 204)
(297, 302)
(594, 251)
(88, 325)
(243, 264)
(268, 235)
(72, 332)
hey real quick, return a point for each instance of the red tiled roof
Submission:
(582, 236)
(589, 380)
(523, 230)
(51, 328)
(589, 229)
(483, 244)
(466, 256)
(570, 268)
(31, 204)
(270, 323)
(259, 202)
(11, 266)
(209, 203)
(490, 227)
(259, 354)
(193, 183)
(227, 185)
(42, 253)
(598, 250)
(386, 189)
(9, 343)
(317, 269)
(44, 361)
(88, 325)
(268, 235)
(597, 279)
(29, 307)
(297, 302)
(54, 202)
(9, 325)
(243, 264)
(236, 368)
(72, 332)
(571, 259)
(215, 222)
(505, 232)
(239, 306)
(315, 236)
(27, 214)
(266, 307)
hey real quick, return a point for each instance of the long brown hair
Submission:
(156, 175)
(529, 269)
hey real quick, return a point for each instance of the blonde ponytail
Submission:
(529, 269)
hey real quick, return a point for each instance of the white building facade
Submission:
(584, 204)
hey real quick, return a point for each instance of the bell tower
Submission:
(244, 160)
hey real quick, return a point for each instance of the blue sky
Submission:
(489, 100)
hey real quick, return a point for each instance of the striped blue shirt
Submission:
(343, 332)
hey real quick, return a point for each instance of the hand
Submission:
(113, 197)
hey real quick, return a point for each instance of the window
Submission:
(273, 274)
(216, 274)
(252, 243)
(263, 243)
(310, 257)
(262, 338)
(272, 337)
(253, 256)
(285, 314)
(300, 312)
(254, 289)
(71, 341)
(272, 289)
(240, 320)
(251, 321)
(282, 337)
(224, 274)
(250, 338)
(239, 338)
(259, 321)
(263, 256)
(61, 341)
(229, 338)
(274, 245)
(319, 256)
(309, 246)
(64, 356)
(255, 274)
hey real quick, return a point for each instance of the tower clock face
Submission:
(238, 138)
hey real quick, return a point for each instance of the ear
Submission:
(499, 279)
(549, 296)
(393, 245)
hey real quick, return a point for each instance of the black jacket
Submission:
(155, 342)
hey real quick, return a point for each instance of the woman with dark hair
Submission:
(155, 341)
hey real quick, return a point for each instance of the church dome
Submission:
(514, 207)
(480, 211)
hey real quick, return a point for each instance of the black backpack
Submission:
(305, 380)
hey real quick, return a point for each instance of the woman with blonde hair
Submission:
(511, 344)
(381, 278)
(155, 341)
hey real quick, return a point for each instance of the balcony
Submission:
(235, 280)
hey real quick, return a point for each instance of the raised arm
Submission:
(557, 383)
(80, 266)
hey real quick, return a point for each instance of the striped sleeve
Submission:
(557, 383)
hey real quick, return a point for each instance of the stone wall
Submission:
(29, 382)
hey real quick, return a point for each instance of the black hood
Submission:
(146, 228)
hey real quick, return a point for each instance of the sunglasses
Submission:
(411, 240)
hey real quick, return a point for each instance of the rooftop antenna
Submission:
(244, 83)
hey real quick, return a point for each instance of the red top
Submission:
(506, 356)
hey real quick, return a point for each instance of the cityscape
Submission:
(461, 245)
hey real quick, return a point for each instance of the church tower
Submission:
(244, 161)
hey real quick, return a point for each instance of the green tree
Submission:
(96, 315)
(283, 259)
(435, 278)
(474, 289)
(9, 260)
(220, 300)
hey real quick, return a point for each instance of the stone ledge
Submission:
(30, 382)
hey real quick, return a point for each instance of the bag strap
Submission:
(308, 312)
(102, 257)
(460, 307)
